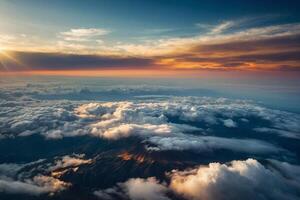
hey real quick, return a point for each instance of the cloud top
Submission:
(161, 124)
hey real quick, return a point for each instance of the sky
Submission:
(154, 36)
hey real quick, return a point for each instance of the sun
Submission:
(7, 58)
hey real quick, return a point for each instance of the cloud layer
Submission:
(162, 125)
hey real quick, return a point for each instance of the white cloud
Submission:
(222, 27)
(34, 179)
(229, 123)
(54, 120)
(70, 162)
(38, 185)
(83, 34)
(210, 143)
(244, 179)
(136, 189)
(145, 189)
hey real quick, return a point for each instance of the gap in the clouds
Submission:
(242, 130)
(110, 168)
(34, 147)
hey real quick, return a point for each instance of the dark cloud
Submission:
(279, 43)
(60, 61)
(288, 68)
(278, 53)
(276, 59)
(269, 57)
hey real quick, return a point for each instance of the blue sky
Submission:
(140, 18)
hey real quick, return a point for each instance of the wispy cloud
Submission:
(157, 30)
(83, 34)
(219, 28)
(222, 27)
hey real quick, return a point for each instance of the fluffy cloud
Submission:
(229, 123)
(145, 189)
(246, 179)
(70, 161)
(151, 122)
(136, 189)
(38, 185)
(53, 120)
(238, 180)
(33, 178)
